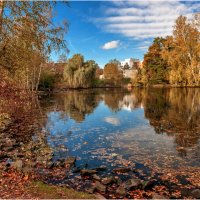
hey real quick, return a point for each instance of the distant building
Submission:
(101, 77)
(132, 63)
(130, 67)
(127, 61)
(130, 73)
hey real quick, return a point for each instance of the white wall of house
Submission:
(130, 73)
(130, 62)
(127, 61)
(101, 77)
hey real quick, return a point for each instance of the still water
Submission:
(151, 130)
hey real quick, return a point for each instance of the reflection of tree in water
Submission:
(133, 100)
(77, 104)
(175, 111)
(112, 98)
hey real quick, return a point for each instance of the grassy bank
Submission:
(40, 190)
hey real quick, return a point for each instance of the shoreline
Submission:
(56, 90)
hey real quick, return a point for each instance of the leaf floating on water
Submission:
(85, 143)
(114, 154)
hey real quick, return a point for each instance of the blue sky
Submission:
(103, 30)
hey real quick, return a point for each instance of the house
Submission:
(130, 73)
(130, 67)
(131, 63)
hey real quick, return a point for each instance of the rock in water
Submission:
(95, 177)
(132, 184)
(196, 193)
(85, 172)
(108, 180)
(121, 191)
(101, 168)
(148, 185)
(122, 170)
(70, 161)
(100, 187)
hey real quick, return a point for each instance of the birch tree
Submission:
(182, 51)
(27, 33)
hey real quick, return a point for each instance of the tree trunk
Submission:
(38, 80)
(1, 15)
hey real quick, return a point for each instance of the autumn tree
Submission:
(79, 73)
(99, 72)
(115, 61)
(27, 37)
(155, 68)
(112, 73)
(62, 58)
(182, 52)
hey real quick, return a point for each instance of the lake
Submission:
(153, 131)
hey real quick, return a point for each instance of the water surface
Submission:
(151, 130)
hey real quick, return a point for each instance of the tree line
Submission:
(28, 36)
(174, 60)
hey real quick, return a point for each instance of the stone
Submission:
(70, 161)
(18, 164)
(85, 172)
(90, 189)
(121, 191)
(100, 187)
(96, 177)
(148, 185)
(122, 170)
(118, 180)
(77, 170)
(196, 193)
(132, 184)
(158, 196)
(108, 180)
(101, 168)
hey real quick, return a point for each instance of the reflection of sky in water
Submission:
(82, 137)
(104, 133)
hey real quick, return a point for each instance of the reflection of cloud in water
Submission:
(112, 120)
(130, 103)
(127, 108)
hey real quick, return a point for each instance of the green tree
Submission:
(78, 73)
(155, 68)
(126, 66)
(115, 61)
(47, 81)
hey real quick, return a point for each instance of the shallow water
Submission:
(151, 130)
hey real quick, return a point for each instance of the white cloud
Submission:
(111, 45)
(143, 48)
(144, 19)
(112, 120)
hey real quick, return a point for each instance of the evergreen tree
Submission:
(155, 68)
